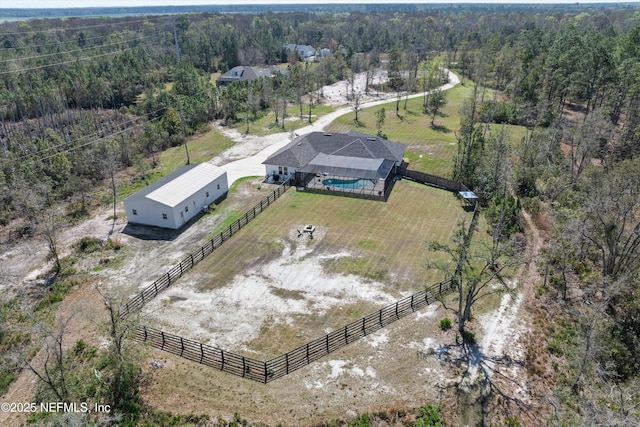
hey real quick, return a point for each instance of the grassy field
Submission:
(430, 149)
(388, 244)
(264, 124)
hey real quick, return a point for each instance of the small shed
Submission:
(173, 200)
(469, 197)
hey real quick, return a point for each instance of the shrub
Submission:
(114, 244)
(513, 421)
(89, 245)
(468, 337)
(428, 416)
(445, 324)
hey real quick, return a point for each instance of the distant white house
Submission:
(304, 50)
(173, 200)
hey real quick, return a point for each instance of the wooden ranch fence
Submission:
(284, 364)
(150, 292)
(433, 180)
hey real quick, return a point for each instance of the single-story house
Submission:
(349, 161)
(242, 73)
(173, 200)
(304, 50)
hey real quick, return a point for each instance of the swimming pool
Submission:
(351, 184)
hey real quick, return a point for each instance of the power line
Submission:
(52, 30)
(76, 59)
(54, 43)
(137, 38)
(56, 147)
(68, 150)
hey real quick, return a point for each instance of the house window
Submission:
(164, 216)
(279, 170)
(135, 212)
(286, 170)
(208, 192)
(218, 186)
(186, 208)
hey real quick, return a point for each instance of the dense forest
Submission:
(83, 98)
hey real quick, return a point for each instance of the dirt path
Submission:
(500, 357)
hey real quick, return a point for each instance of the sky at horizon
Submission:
(46, 4)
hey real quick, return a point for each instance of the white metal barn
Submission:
(173, 200)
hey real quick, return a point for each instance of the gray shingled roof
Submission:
(302, 151)
(241, 73)
(352, 167)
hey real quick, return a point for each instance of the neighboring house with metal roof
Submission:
(173, 200)
(242, 73)
(337, 162)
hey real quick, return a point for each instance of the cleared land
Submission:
(267, 290)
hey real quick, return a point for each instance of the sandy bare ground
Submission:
(292, 285)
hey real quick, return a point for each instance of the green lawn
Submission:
(387, 241)
(430, 149)
(264, 124)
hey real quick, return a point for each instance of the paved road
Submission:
(252, 165)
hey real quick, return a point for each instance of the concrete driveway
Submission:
(252, 164)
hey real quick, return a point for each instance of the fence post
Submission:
(181, 267)
(286, 362)
(155, 287)
(169, 278)
(327, 338)
(346, 337)
(397, 317)
(202, 249)
(426, 297)
(308, 353)
(192, 258)
(181, 346)
(364, 331)
(222, 356)
(201, 353)
(412, 303)
(145, 333)
(380, 315)
(265, 372)
(162, 335)
(244, 367)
